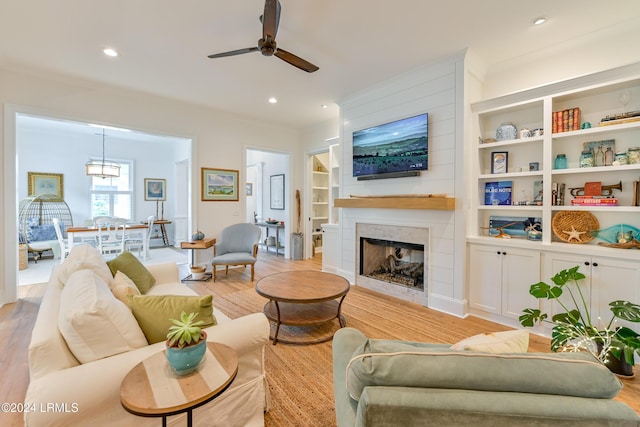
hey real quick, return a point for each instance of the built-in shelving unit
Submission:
(334, 181)
(496, 289)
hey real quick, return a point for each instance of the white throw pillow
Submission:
(93, 322)
(496, 342)
(85, 257)
(122, 286)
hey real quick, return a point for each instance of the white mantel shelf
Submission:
(435, 203)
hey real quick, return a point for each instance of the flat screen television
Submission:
(392, 148)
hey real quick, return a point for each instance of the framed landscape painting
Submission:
(45, 183)
(219, 185)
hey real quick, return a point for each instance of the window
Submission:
(113, 196)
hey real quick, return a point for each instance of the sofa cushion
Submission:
(84, 257)
(93, 322)
(154, 312)
(516, 341)
(122, 287)
(133, 268)
(397, 363)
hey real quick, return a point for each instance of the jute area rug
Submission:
(301, 377)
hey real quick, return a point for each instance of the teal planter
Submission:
(186, 360)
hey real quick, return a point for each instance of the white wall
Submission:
(220, 140)
(436, 89)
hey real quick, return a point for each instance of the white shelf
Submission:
(595, 101)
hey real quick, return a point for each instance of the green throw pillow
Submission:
(154, 312)
(134, 270)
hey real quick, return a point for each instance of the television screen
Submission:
(399, 146)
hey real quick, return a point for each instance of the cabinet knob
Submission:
(595, 264)
(586, 263)
(498, 252)
(504, 253)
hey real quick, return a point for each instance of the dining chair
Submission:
(64, 246)
(112, 233)
(141, 244)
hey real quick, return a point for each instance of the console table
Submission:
(277, 227)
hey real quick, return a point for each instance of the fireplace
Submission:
(398, 263)
(393, 260)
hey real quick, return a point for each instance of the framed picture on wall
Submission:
(45, 183)
(277, 191)
(155, 189)
(219, 185)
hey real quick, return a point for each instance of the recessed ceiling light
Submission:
(272, 100)
(324, 106)
(539, 21)
(110, 52)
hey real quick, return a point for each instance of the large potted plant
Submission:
(574, 330)
(186, 343)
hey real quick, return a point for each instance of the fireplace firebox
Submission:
(398, 263)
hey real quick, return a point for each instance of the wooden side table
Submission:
(151, 389)
(205, 243)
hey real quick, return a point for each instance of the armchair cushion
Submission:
(238, 238)
(154, 312)
(233, 258)
(408, 364)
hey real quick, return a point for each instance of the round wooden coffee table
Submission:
(151, 389)
(303, 298)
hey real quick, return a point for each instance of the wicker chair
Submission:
(35, 218)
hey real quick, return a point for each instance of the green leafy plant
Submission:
(574, 329)
(185, 331)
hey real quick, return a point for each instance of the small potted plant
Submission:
(573, 329)
(186, 343)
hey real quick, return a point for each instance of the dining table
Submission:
(76, 235)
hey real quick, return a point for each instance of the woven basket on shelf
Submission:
(566, 223)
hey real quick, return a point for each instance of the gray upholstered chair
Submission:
(237, 245)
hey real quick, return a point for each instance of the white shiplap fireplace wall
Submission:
(436, 89)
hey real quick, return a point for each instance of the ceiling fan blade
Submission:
(270, 19)
(234, 52)
(296, 61)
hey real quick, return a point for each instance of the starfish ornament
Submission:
(574, 234)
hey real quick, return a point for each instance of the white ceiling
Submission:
(163, 44)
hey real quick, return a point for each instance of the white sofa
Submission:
(64, 392)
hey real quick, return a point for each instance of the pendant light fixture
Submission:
(102, 169)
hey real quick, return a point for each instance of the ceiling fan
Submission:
(267, 44)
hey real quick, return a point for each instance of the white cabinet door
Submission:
(520, 269)
(485, 278)
(330, 256)
(613, 280)
(553, 264)
(499, 279)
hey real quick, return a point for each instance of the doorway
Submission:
(38, 139)
(268, 184)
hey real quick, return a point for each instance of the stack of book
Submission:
(594, 201)
(565, 120)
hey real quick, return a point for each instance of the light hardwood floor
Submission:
(16, 322)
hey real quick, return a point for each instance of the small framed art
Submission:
(499, 161)
(277, 191)
(45, 183)
(219, 185)
(155, 189)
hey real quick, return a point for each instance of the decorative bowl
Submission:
(272, 222)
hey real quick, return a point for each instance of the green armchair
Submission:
(400, 383)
